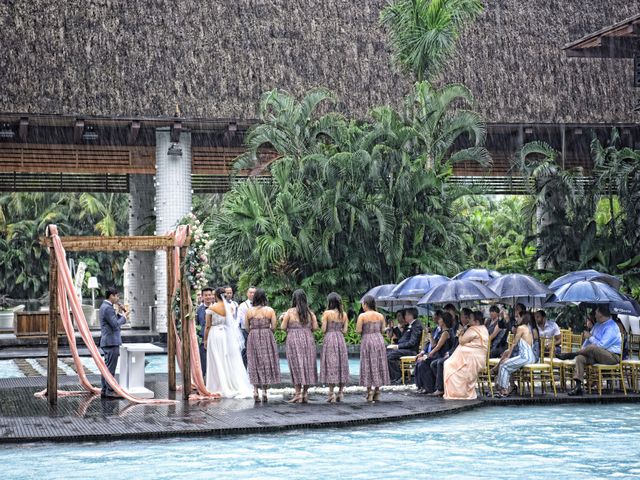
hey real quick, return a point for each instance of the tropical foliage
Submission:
(350, 204)
(23, 220)
(585, 222)
(423, 33)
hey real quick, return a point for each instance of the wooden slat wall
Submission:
(34, 158)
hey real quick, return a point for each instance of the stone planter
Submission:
(6, 320)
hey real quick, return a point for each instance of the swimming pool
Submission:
(541, 442)
(156, 364)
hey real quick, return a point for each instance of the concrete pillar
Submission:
(172, 202)
(140, 291)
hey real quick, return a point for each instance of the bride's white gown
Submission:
(226, 374)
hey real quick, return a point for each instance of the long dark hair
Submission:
(299, 302)
(219, 293)
(334, 302)
(260, 298)
(369, 301)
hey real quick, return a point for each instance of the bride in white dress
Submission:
(223, 340)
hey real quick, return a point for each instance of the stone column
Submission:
(140, 293)
(172, 202)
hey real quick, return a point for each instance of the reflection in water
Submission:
(571, 441)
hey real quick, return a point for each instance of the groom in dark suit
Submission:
(408, 344)
(207, 298)
(110, 340)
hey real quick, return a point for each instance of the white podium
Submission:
(132, 367)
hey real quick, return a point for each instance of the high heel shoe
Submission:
(295, 399)
(340, 397)
(256, 398)
(305, 398)
(376, 396)
(264, 398)
(331, 398)
(370, 397)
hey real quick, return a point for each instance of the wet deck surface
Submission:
(25, 418)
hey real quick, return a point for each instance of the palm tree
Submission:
(349, 204)
(424, 33)
(561, 206)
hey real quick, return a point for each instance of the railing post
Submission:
(52, 331)
(171, 332)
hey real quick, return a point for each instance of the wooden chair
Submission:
(568, 366)
(541, 370)
(565, 343)
(631, 371)
(484, 376)
(634, 346)
(408, 362)
(600, 372)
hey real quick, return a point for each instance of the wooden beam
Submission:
(52, 332)
(186, 327)
(171, 331)
(134, 130)
(111, 244)
(78, 128)
(23, 130)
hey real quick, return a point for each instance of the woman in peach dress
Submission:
(468, 359)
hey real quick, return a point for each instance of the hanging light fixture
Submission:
(174, 150)
(7, 132)
(90, 135)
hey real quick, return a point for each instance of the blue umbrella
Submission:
(380, 291)
(414, 288)
(482, 275)
(381, 294)
(457, 291)
(628, 307)
(573, 277)
(516, 285)
(586, 291)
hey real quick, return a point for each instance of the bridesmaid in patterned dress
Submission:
(299, 322)
(263, 362)
(374, 370)
(334, 363)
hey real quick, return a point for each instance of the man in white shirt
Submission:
(228, 297)
(242, 314)
(548, 329)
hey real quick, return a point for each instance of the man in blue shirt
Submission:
(602, 345)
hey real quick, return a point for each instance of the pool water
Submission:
(156, 364)
(539, 442)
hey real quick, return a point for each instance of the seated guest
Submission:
(451, 310)
(434, 377)
(394, 329)
(602, 345)
(408, 344)
(536, 336)
(462, 369)
(625, 337)
(440, 344)
(497, 332)
(548, 329)
(508, 364)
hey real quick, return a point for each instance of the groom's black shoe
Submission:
(576, 391)
(567, 355)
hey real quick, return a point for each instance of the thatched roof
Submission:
(215, 58)
(513, 60)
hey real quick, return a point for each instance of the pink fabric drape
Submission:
(180, 237)
(67, 294)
